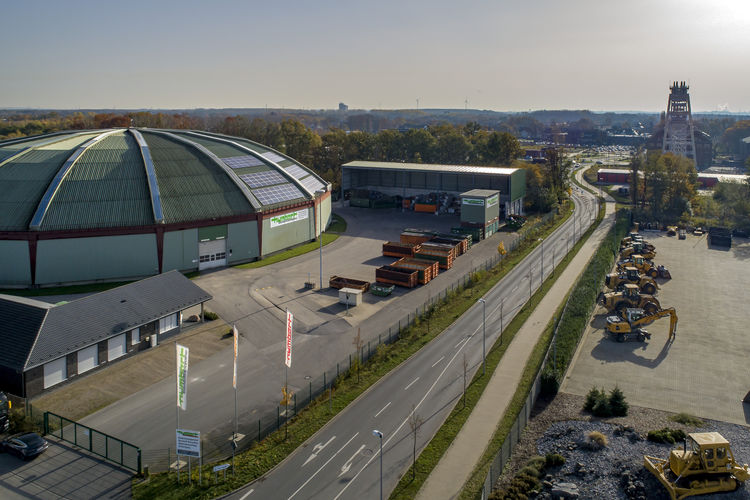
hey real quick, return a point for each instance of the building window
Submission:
(135, 336)
(168, 323)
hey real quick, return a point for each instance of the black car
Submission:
(26, 445)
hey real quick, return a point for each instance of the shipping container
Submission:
(396, 276)
(341, 282)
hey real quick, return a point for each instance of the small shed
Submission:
(350, 296)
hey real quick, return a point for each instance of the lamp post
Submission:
(379, 435)
(319, 194)
(484, 322)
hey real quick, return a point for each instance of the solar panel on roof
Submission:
(235, 162)
(260, 179)
(297, 172)
(273, 156)
(311, 183)
(277, 194)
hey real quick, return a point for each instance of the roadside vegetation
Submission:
(263, 456)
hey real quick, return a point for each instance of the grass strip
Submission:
(263, 456)
(413, 479)
(288, 254)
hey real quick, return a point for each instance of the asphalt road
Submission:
(343, 459)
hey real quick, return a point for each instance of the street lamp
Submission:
(319, 194)
(484, 322)
(379, 435)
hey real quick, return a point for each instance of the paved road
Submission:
(256, 299)
(342, 460)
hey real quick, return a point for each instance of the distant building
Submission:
(343, 107)
(677, 133)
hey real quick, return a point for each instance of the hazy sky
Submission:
(499, 55)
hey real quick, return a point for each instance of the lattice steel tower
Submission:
(679, 134)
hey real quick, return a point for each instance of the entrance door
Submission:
(212, 254)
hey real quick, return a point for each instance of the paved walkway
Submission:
(454, 468)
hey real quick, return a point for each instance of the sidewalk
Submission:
(454, 468)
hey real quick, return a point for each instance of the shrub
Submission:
(687, 419)
(597, 440)
(210, 315)
(592, 397)
(549, 383)
(617, 404)
(553, 460)
(666, 435)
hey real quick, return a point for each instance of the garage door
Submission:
(88, 358)
(212, 254)
(116, 347)
(54, 372)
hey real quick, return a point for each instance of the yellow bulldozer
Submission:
(630, 296)
(704, 465)
(617, 281)
(630, 325)
(645, 266)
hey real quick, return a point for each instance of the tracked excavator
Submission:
(631, 325)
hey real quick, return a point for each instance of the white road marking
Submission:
(348, 465)
(247, 494)
(322, 466)
(317, 449)
(381, 411)
(462, 341)
(438, 361)
(411, 384)
(516, 288)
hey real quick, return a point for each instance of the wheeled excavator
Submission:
(630, 326)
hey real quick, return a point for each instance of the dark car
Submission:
(25, 446)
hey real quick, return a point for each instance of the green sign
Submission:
(473, 201)
(492, 200)
(280, 220)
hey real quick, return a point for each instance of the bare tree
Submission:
(415, 422)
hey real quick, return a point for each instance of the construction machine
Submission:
(630, 325)
(704, 465)
(629, 297)
(645, 266)
(639, 247)
(630, 238)
(617, 281)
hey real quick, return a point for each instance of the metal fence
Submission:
(106, 446)
(256, 429)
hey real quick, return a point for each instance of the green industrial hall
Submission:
(414, 179)
(116, 204)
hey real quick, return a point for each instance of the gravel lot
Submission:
(617, 471)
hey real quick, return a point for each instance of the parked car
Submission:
(25, 445)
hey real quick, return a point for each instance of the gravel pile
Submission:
(615, 471)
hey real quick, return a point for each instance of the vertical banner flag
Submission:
(182, 373)
(288, 357)
(234, 376)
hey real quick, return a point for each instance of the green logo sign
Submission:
(280, 220)
(473, 201)
(492, 200)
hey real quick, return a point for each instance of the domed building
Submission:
(117, 204)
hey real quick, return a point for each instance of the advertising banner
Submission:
(182, 374)
(280, 220)
(473, 201)
(288, 357)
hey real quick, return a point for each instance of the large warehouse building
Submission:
(101, 205)
(410, 179)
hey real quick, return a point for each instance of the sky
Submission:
(497, 55)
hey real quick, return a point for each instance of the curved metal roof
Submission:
(140, 177)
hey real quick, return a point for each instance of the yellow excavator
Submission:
(645, 266)
(630, 326)
(638, 247)
(704, 465)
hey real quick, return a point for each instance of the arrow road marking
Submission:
(345, 468)
(317, 449)
(322, 466)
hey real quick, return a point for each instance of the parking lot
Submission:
(61, 472)
(704, 371)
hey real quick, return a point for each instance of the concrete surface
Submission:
(704, 371)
